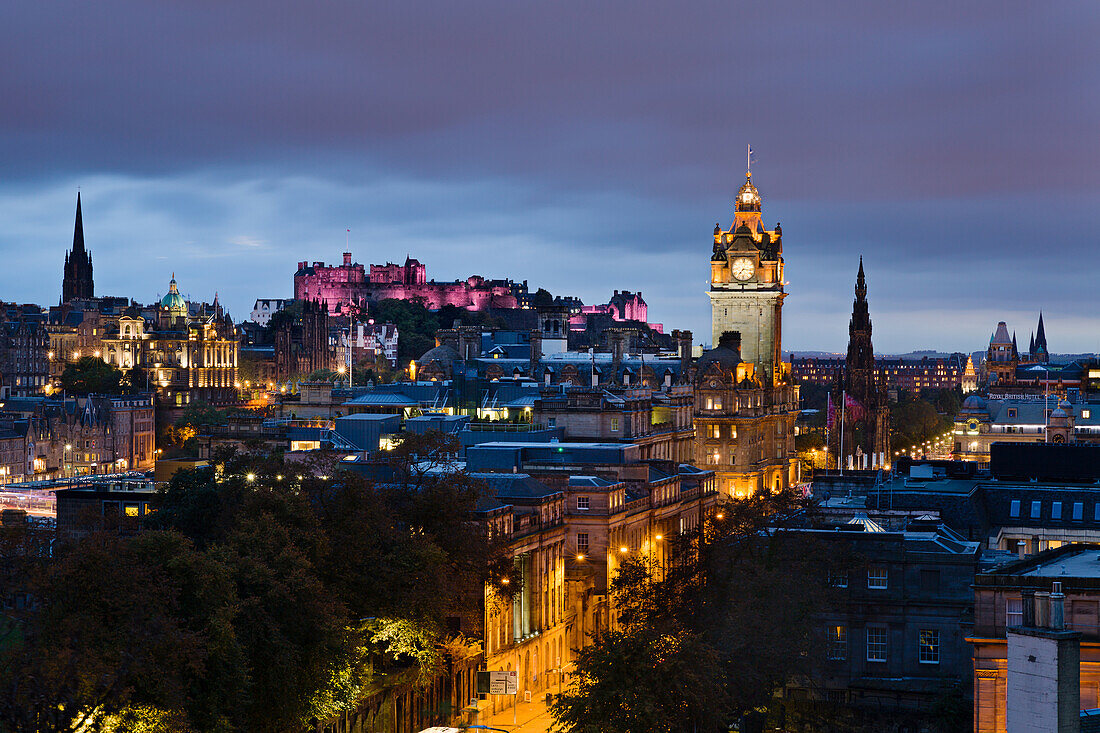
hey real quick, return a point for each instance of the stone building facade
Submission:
(745, 401)
(303, 342)
(24, 357)
(188, 351)
(999, 605)
(744, 432)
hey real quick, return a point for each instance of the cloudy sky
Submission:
(583, 146)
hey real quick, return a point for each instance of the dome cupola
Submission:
(173, 302)
(748, 198)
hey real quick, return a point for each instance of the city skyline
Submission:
(931, 150)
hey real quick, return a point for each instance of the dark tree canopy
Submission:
(260, 595)
(91, 375)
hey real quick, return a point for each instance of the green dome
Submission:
(173, 301)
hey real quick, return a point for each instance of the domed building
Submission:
(188, 351)
(172, 306)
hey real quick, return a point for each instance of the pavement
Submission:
(531, 717)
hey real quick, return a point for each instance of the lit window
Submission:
(1036, 509)
(876, 644)
(715, 458)
(714, 431)
(838, 642)
(614, 424)
(582, 503)
(1014, 508)
(132, 510)
(1086, 414)
(928, 646)
(877, 577)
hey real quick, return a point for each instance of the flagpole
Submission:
(843, 405)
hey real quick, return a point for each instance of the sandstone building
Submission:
(745, 401)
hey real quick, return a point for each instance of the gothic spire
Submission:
(861, 282)
(78, 232)
(1041, 335)
(77, 279)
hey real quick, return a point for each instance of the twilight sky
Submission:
(583, 146)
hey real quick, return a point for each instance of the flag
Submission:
(853, 410)
(830, 413)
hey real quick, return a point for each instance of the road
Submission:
(531, 717)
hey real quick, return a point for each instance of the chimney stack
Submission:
(1021, 549)
(1027, 601)
(536, 351)
(347, 259)
(469, 342)
(618, 345)
(683, 341)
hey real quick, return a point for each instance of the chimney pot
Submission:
(1042, 609)
(1057, 607)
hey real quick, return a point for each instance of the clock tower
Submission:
(746, 285)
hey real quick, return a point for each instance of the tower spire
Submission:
(77, 279)
(78, 231)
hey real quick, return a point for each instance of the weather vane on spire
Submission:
(748, 160)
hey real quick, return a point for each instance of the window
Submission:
(1056, 510)
(582, 503)
(1014, 612)
(929, 581)
(876, 577)
(714, 431)
(1036, 509)
(1078, 511)
(715, 458)
(1014, 508)
(876, 644)
(838, 580)
(614, 424)
(1086, 414)
(132, 510)
(838, 642)
(582, 542)
(928, 646)
(1011, 412)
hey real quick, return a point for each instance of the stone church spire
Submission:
(77, 280)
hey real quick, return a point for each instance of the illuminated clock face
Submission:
(742, 268)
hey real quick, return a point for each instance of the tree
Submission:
(542, 298)
(91, 375)
(735, 605)
(125, 625)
